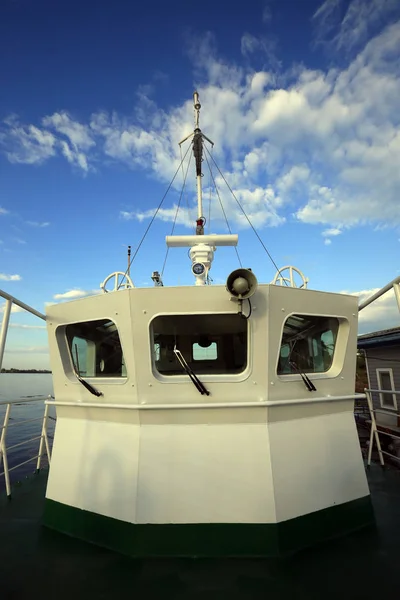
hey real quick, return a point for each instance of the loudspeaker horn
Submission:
(242, 284)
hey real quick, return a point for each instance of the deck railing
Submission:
(10, 300)
(42, 439)
(394, 284)
(379, 429)
(43, 446)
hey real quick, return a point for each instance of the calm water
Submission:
(14, 386)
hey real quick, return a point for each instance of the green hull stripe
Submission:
(210, 539)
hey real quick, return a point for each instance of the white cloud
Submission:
(3, 211)
(14, 309)
(24, 326)
(19, 241)
(78, 135)
(37, 223)
(4, 277)
(79, 138)
(27, 143)
(320, 145)
(75, 293)
(78, 159)
(331, 232)
(264, 46)
(320, 127)
(164, 214)
(347, 27)
(381, 314)
(58, 133)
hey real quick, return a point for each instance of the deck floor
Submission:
(35, 561)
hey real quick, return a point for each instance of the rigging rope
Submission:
(176, 212)
(183, 179)
(223, 211)
(243, 211)
(152, 220)
(209, 200)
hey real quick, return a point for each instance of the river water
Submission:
(21, 386)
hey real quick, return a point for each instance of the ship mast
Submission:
(198, 140)
(201, 248)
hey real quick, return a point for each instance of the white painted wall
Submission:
(94, 467)
(205, 474)
(182, 465)
(316, 463)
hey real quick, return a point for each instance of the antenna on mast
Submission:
(128, 271)
(202, 247)
(198, 140)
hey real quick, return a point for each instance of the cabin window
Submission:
(96, 349)
(210, 344)
(308, 344)
(385, 382)
(209, 353)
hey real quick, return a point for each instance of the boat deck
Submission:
(37, 561)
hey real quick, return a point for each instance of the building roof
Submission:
(385, 337)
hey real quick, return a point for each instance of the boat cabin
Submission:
(205, 420)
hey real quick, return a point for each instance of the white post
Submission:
(199, 198)
(3, 449)
(4, 328)
(374, 432)
(44, 439)
(396, 287)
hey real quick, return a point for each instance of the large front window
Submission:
(96, 349)
(308, 344)
(210, 344)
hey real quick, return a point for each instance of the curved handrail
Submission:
(395, 284)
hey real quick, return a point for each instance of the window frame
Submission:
(383, 395)
(67, 358)
(205, 377)
(339, 353)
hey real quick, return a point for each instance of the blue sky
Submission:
(302, 100)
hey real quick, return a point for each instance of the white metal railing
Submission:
(43, 445)
(10, 300)
(395, 284)
(375, 432)
(43, 437)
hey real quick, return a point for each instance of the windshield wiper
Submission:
(85, 384)
(195, 380)
(88, 386)
(307, 381)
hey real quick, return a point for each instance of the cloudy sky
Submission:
(302, 100)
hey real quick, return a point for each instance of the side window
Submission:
(385, 382)
(95, 349)
(308, 344)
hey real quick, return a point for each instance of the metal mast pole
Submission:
(198, 152)
(198, 137)
(128, 271)
(202, 247)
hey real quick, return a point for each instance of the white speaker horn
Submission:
(242, 284)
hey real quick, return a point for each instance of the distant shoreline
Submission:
(30, 371)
